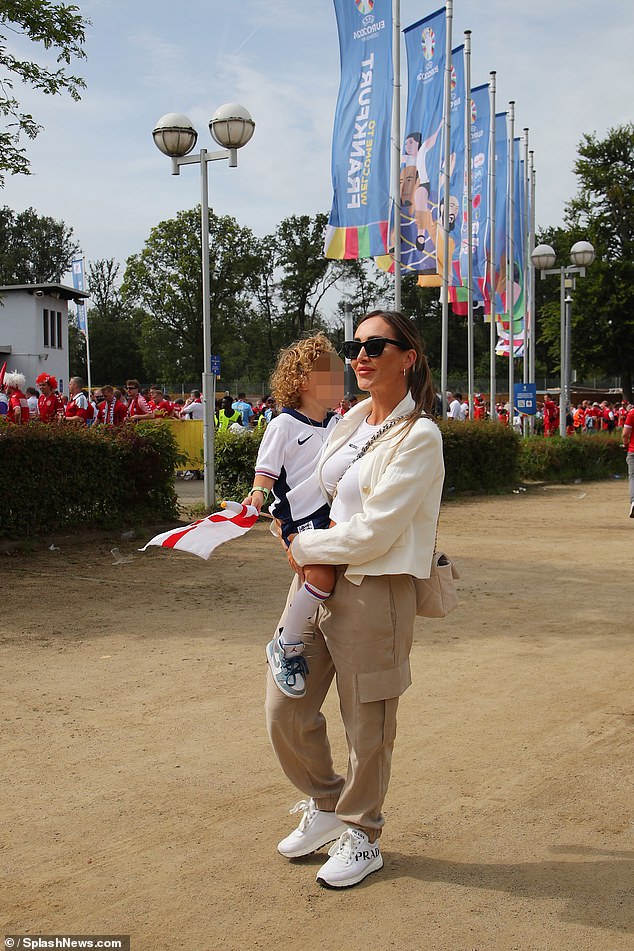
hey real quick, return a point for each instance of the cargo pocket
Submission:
(384, 684)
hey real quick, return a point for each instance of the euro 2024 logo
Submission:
(428, 42)
(364, 6)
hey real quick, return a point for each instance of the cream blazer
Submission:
(400, 480)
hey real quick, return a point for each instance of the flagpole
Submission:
(89, 371)
(396, 148)
(528, 328)
(445, 217)
(531, 248)
(468, 147)
(87, 330)
(510, 264)
(492, 249)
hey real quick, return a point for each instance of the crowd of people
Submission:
(585, 417)
(21, 404)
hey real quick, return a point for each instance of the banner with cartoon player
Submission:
(359, 218)
(501, 210)
(479, 122)
(516, 288)
(425, 43)
(457, 184)
(516, 285)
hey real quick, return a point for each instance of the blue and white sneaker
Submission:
(288, 666)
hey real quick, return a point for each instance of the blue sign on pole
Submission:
(525, 398)
(215, 365)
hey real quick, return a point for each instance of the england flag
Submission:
(206, 534)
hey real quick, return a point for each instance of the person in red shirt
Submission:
(49, 402)
(77, 410)
(138, 406)
(592, 418)
(503, 414)
(479, 407)
(551, 416)
(628, 445)
(18, 411)
(111, 410)
(162, 408)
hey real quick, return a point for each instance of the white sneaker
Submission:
(632, 510)
(352, 858)
(315, 829)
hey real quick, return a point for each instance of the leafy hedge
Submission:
(58, 476)
(66, 477)
(234, 458)
(479, 456)
(587, 457)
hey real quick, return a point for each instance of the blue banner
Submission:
(425, 43)
(480, 135)
(516, 283)
(457, 181)
(501, 229)
(78, 284)
(359, 218)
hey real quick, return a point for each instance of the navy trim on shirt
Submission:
(306, 419)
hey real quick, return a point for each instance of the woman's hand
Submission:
(296, 568)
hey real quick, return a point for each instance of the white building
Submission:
(34, 329)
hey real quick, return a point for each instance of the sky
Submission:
(568, 65)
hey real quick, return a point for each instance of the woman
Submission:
(383, 469)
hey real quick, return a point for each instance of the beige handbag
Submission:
(436, 596)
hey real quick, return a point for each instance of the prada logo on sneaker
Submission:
(367, 854)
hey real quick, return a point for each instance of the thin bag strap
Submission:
(377, 435)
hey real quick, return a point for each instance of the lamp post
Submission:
(232, 127)
(543, 258)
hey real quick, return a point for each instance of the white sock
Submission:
(302, 609)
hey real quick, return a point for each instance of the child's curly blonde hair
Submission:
(294, 366)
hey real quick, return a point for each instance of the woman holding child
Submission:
(382, 472)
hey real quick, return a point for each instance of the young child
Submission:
(306, 383)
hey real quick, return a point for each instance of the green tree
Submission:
(603, 211)
(115, 352)
(164, 282)
(305, 274)
(33, 248)
(55, 27)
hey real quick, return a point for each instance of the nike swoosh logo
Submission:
(300, 442)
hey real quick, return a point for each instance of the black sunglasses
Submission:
(373, 347)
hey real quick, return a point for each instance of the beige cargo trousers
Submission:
(362, 637)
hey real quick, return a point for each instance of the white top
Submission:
(400, 480)
(341, 472)
(455, 410)
(288, 454)
(194, 411)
